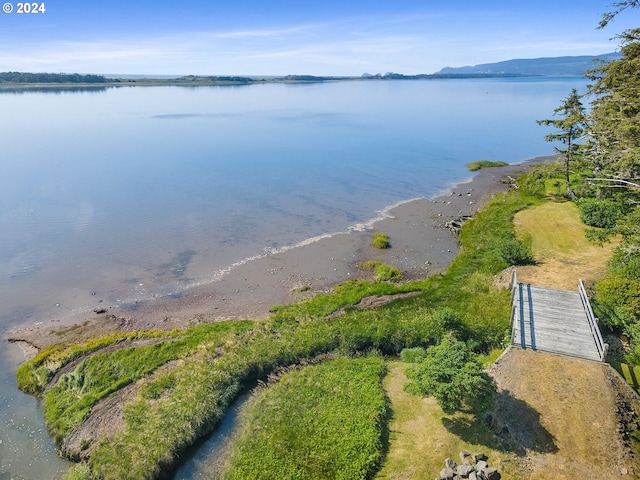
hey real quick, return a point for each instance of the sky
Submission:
(312, 37)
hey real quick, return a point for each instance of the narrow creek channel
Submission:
(207, 459)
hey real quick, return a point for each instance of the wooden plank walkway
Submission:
(555, 321)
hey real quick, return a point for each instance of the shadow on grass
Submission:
(385, 434)
(514, 426)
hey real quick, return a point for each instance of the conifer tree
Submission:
(615, 116)
(571, 125)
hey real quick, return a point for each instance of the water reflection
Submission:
(52, 90)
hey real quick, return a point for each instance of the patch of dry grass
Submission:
(422, 436)
(560, 247)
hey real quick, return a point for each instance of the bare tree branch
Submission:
(617, 182)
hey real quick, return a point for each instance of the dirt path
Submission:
(565, 417)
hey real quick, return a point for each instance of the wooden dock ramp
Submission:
(556, 321)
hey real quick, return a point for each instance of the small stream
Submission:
(208, 458)
(26, 450)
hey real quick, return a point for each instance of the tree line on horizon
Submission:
(23, 77)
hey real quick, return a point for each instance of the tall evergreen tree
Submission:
(614, 148)
(571, 125)
(615, 116)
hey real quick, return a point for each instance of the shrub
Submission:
(535, 182)
(451, 374)
(515, 252)
(618, 300)
(626, 263)
(380, 240)
(633, 333)
(598, 236)
(600, 213)
(446, 322)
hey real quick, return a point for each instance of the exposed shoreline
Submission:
(421, 246)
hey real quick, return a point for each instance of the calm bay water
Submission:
(128, 194)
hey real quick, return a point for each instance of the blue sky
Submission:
(279, 37)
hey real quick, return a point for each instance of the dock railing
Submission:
(593, 322)
(514, 286)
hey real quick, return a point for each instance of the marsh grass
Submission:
(344, 294)
(380, 240)
(383, 272)
(311, 411)
(480, 164)
(67, 404)
(34, 375)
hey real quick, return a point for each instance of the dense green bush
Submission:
(600, 213)
(452, 375)
(447, 322)
(617, 300)
(632, 331)
(626, 263)
(516, 252)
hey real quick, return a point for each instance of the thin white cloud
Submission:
(260, 33)
(406, 43)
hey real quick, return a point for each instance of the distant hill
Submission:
(548, 66)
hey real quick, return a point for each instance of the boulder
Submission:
(491, 474)
(464, 454)
(464, 470)
(473, 476)
(479, 457)
(447, 474)
(448, 463)
(481, 465)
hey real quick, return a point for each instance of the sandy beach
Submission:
(421, 245)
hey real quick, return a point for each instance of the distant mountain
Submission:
(548, 66)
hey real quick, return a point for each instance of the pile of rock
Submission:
(475, 467)
(454, 226)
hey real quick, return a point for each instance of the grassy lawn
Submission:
(560, 247)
